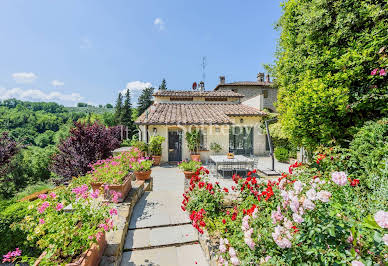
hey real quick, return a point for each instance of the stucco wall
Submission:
(215, 133)
(250, 92)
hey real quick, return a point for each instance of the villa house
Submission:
(260, 93)
(220, 115)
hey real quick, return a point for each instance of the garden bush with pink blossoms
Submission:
(63, 234)
(315, 214)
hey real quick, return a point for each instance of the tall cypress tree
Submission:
(118, 109)
(163, 85)
(126, 114)
(145, 100)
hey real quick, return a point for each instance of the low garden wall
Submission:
(115, 239)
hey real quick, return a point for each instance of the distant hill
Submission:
(90, 109)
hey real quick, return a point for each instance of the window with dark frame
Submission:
(203, 139)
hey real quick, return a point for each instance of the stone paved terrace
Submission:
(160, 233)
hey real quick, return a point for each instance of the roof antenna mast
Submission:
(203, 65)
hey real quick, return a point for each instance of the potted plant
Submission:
(215, 147)
(189, 168)
(141, 145)
(193, 139)
(114, 174)
(155, 148)
(142, 168)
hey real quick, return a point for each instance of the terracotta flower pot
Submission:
(188, 174)
(143, 175)
(90, 257)
(123, 188)
(195, 157)
(156, 159)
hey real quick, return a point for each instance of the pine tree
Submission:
(126, 114)
(145, 100)
(118, 109)
(163, 86)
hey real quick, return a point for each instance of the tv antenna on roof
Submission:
(203, 65)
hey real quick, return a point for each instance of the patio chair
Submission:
(226, 167)
(211, 166)
(242, 168)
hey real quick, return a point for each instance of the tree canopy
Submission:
(326, 52)
(145, 100)
(163, 85)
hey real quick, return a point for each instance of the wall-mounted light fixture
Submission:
(241, 120)
(155, 130)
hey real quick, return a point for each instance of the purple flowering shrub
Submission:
(8, 149)
(86, 144)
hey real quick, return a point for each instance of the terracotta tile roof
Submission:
(246, 83)
(225, 93)
(194, 113)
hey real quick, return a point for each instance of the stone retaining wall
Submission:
(115, 239)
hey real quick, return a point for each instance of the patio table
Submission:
(238, 159)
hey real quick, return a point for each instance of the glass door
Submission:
(241, 140)
(175, 145)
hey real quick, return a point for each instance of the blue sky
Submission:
(71, 50)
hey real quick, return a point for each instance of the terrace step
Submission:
(191, 254)
(158, 208)
(160, 236)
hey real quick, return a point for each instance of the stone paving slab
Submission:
(160, 236)
(186, 255)
(158, 256)
(173, 235)
(158, 208)
(191, 255)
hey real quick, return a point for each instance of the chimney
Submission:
(267, 78)
(260, 77)
(202, 86)
(222, 79)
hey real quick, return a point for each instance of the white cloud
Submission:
(38, 95)
(57, 83)
(135, 87)
(24, 77)
(158, 22)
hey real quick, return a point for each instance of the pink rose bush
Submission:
(308, 215)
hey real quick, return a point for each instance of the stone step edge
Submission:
(162, 246)
(159, 226)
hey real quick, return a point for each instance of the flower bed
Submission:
(311, 214)
(66, 236)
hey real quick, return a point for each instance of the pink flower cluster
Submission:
(340, 178)
(382, 72)
(42, 196)
(43, 207)
(10, 256)
(282, 237)
(115, 196)
(247, 232)
(381, 218)
(81, 191)
(224, 246)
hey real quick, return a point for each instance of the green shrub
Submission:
(11, 239)
(32, 189)
(191, 166)
(281, 154)
(370, 147)
(155, 146)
